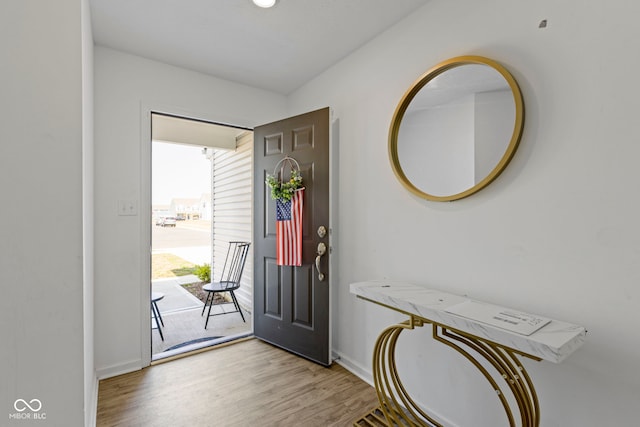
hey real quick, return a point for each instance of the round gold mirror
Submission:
(456, 128)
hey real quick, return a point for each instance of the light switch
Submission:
(127, 207)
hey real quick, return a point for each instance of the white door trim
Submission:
(146, 109)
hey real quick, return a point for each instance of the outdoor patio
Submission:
(183, 328)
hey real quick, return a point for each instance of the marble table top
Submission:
(553, 342)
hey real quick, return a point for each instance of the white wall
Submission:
(125, 87)
(556, 234)
(41, 233)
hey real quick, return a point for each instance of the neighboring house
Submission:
(185, 208)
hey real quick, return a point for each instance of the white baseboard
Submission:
(119, 369)
(367, 376)
(354, 367)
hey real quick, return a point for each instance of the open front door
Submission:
(291, 304)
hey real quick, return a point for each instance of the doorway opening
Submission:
(201, 184)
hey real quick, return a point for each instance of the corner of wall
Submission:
(119, 369)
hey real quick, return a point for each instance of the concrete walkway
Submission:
(176, 298)
(183, 321)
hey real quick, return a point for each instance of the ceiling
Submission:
(277, 49)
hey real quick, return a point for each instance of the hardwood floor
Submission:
(250, 383)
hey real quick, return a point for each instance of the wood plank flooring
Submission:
(250, 383)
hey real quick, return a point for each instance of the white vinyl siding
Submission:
(232, 204)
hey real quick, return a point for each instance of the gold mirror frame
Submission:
(423, 81)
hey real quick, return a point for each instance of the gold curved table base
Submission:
(398, 409)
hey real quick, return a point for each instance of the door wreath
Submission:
(283, 190)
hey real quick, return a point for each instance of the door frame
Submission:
(144, 279)
(146, 109)
(334, 248)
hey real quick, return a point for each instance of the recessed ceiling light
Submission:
(264, 3)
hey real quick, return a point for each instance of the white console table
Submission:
(477, 331)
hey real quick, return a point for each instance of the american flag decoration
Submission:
(289, 229)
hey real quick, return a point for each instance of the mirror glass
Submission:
(456, 128)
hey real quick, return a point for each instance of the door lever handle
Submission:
(322, 249)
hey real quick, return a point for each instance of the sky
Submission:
(178, 171)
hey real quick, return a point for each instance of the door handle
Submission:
(322, 249)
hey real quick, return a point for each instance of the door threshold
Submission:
(192, 349)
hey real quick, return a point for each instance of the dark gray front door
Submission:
(291, 304)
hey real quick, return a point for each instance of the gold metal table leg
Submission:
(398, 409)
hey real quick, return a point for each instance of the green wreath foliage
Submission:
(284, 190)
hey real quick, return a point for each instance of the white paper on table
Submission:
(500, 317)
